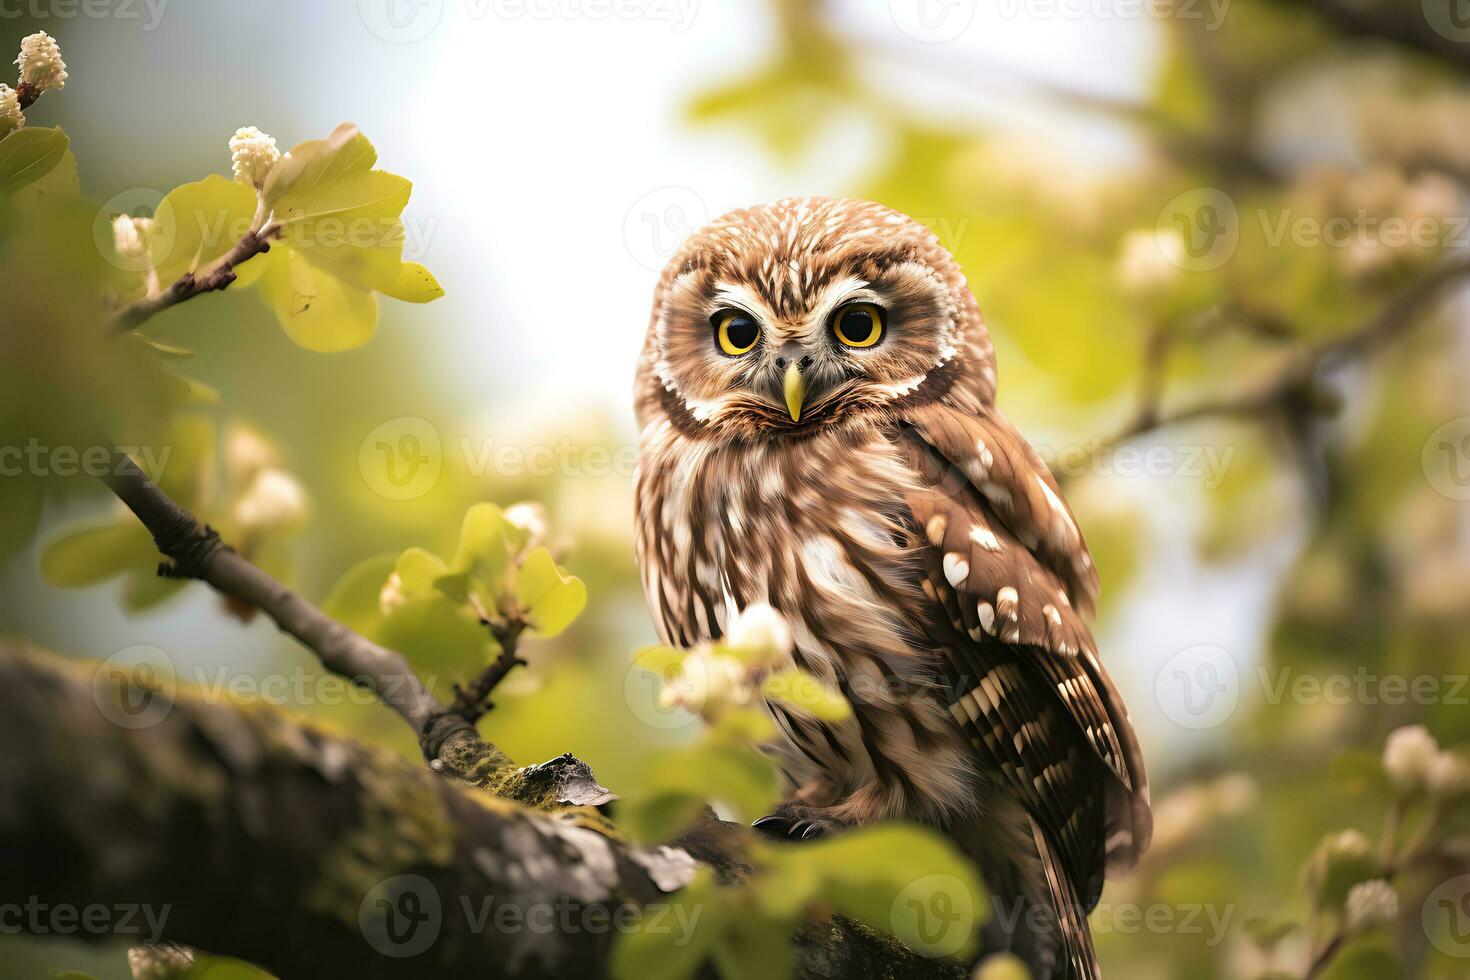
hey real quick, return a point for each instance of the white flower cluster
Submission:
(1381, 216)
(11, 118)
(40, 63)
(530, 517)
(273, 503)
(130, 235)
(1150, 259)
(713, 677)
(1416, 764)
(1371, 904)
(252, 155)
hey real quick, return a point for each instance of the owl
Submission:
(816, 396)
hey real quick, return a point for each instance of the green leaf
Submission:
(208, 967)
(480, 560)
(660, 949)
(333, 206)
(196, 223)
(550, 597)
(754, 948)
(661, 660)
(96, 554)
(317, 310)
(1369, 958)
(61, 183)
(353, 601)
(802, 690)
(29, 154)
(418, 570)
(146, 588)
(415, 284)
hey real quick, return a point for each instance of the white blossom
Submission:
(248, 452)
(40, 63)
(1371, 904)
(11, 117)
(761, 630)
(273, 502)
(1408, 755)
(707, 683)
(1449, 775)
(252, 154)
(530, 517)
(1149, 260)
(130, 235)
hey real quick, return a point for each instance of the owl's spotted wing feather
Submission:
(1026, 683)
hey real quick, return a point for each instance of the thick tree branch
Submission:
(247, 834)
(218, 276)
(1407, 24)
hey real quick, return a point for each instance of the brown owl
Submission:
(819, 432)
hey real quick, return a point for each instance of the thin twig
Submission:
(217, 276)
(195, 551)
(1302, 369)
(471, 702)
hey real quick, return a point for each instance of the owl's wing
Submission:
(1006, 570)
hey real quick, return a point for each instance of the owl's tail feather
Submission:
(1079, 959)
(1036, 914)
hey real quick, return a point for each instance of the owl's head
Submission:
(811, 312)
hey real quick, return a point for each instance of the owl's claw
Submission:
(779, 827)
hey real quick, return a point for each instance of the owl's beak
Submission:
(795, 391)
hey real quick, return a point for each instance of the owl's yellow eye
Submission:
(736, 331)
(858, 324)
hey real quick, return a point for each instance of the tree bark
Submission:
(245, 833)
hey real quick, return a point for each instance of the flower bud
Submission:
(252, 154)
(273, 503)
(11, 118)
(1150, 260)
(40, 63)
(1449, 775)
(530, 517)
(1371, 904)
(130, 235)
(1408, 755)
(164, 961)
(761, 632)
(248, 452)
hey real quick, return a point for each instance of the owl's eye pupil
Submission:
(742, 331)
(857, 326)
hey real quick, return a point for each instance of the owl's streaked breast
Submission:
(817, 528)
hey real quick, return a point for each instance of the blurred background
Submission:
(1161, 206)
